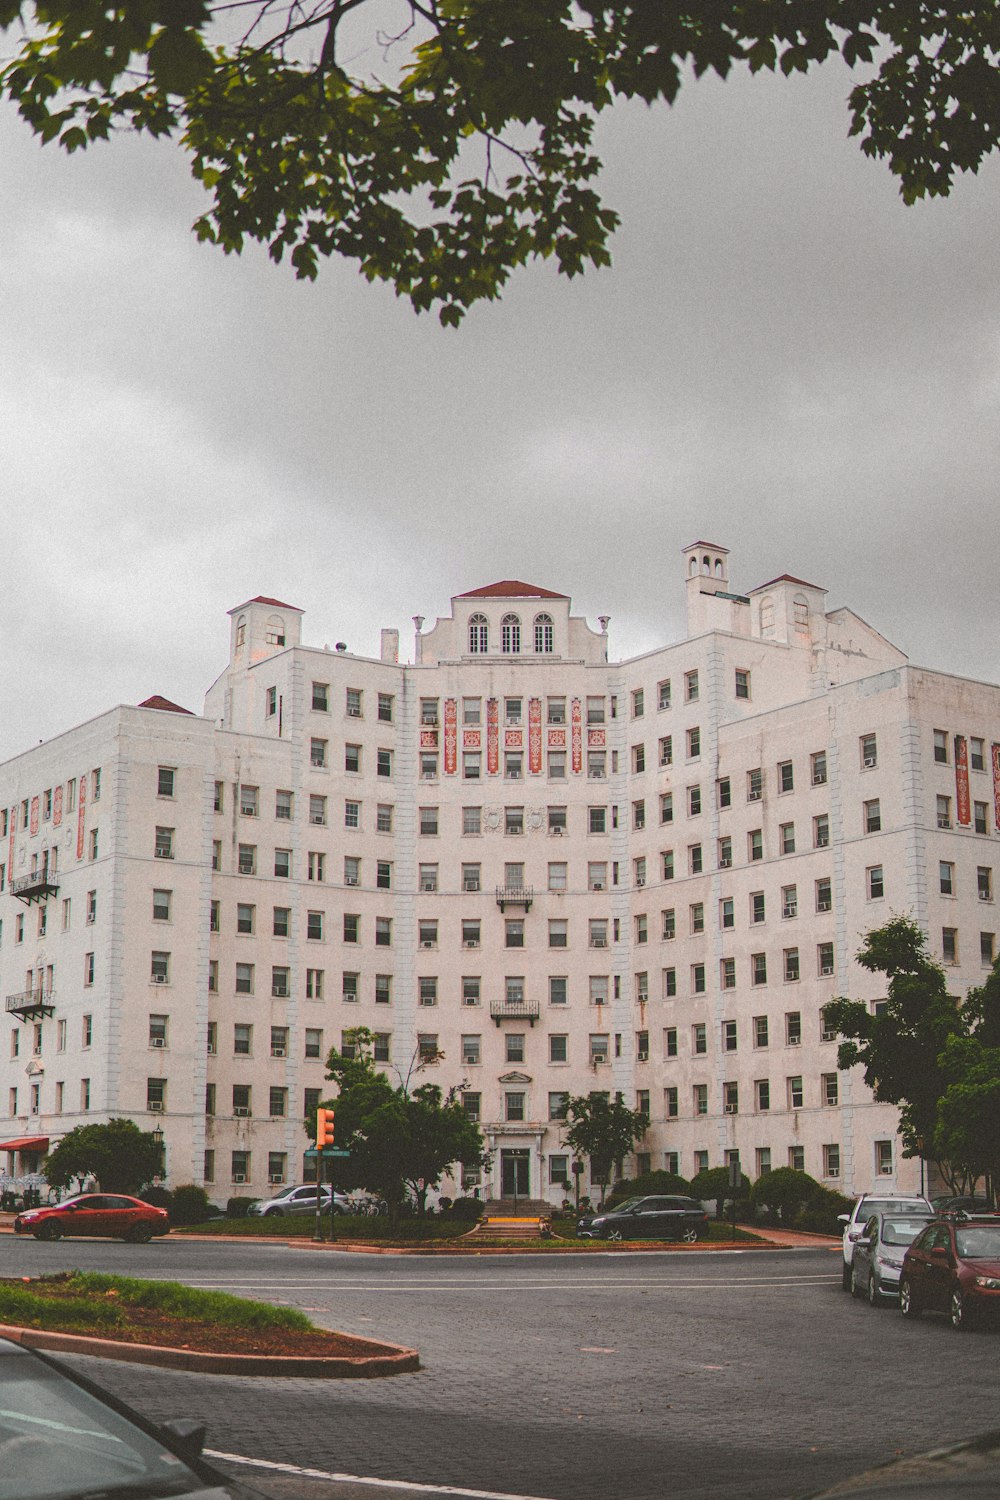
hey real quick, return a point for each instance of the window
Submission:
(352, 927)
(724, 792)
(557, 765)
(314, 926)
(666, 807)
(980, 817)
(827, 1030)
(663, 694)
(246, 859)
(791, 965)
(385, 708)
(758, 968)
(824, 895)
(428, 821)
(669, 924)
(727, 973)
(383, 989)
(598, 1047)
(513, 820)
(941, 746)
(383, 932)
(598, 930)
(639, 815)
(472, 820)
(471, 877)
(729, 1038)
(317, 752)
(641, 928)
(824, 959)
(479, 635)
(872, 816)
(762, 1094)
(817, 764)
(383, 762)
(471, 990)
(697, 979)
(510, 635)
(514, 1106)
(731, 1098)
(876, 882)
(831, 1161)
(987, 946)
(638, 703)
(797, 1158)
(949, 945)
(694, 801)
(793, 1028)
(213, 976)
(383, 818)
(283, 865)
(699, 1099)
(163, 847)
(216, 854)
(695, 862)
(755, 845)
(795, 1092)
(595, 710)
(944, 812)
(786, 778)
(165, 777)
(669, 983)
(727, 916)
(756, 906)
(244, 979)
(691, 687)
(696, 913)
(352, 758)
(597, 819)
(427, 989)
(557, 875)
(558, 989)
(760, 1031)
(693, 741)
(353, 703)
(558, 933)
(598, 989)
(665, 753)
(514, 1047)
(557, 820)
(984, 883)
(249, 801)
(471, 1050)
(755, 785)
(245, 917)
(242, 1039)
(742, 683)
(869, 752)
(821, 831)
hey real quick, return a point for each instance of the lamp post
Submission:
(920, 1148)
(158, 1141)
(577, 1174)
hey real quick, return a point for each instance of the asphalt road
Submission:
(689, 1375)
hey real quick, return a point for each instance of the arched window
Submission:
(800, 614)
(241, 631)
(479, 635)
(510, 635)
(543, 633)
(718, 567)
(706, 564)
(692, 567)
(767, 615)
(274, 631)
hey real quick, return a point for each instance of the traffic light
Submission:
(324, 1128)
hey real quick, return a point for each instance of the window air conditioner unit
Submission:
(823, 905)
(349, 998)
(513, 775)
(725, 864)
(159, 978)
(164, 854)
(753, 796)
(640, 881)
(789, 911)
(598, 885)
(427, 943)
(239, 1177)
(826, 969)
(556, 833)
(275, 1179)
(352, 713)
(513, 723)
(277, 1051)
(241, 1109)
(835, 1172)
(642, 1057)
(155, 1107)
(821, 843)
(472, 942)
(886, 1171)
(794, 1041)
(319, 820)
(732, 1109)
(819, 779)
(279, 992)
(870, 762)
(350, 880)
(598, 1059)
(600, 942)
(154, 1041)
(428, 885)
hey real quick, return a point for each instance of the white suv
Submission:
(868, 1204)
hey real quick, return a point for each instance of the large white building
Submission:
(562, 873)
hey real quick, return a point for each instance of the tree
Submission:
(783, 1192)
(471, 150)
(968, 1114)
(604, 1130)
(400, 1142)
(122, 1157)
(900, 1047)
(712, 1185)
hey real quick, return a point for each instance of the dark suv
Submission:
(660, 1218)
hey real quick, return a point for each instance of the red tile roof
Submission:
(263, 599)
(165, 706)
(511, 588)
(714, 546)
(788, 578)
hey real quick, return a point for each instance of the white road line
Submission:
(382, 1484)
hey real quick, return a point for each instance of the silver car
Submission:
(879, 1251)
(300, 1200)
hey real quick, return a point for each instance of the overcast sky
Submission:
(783, 359)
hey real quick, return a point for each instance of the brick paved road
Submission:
(634, 1376)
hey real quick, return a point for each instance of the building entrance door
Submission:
(515, 1170)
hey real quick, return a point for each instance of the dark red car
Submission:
(954, 1267)
(107, 1214)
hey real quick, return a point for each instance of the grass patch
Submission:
(26, 1306)
(218, 1308)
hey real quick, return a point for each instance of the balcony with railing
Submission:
(515, 895)
(36, 886)
(514, 1010)
(31, 1005)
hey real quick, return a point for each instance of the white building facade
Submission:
(546, 871)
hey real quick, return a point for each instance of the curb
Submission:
(397, 1360)
(636, 1248)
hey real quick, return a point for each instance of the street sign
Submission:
(327, 1151)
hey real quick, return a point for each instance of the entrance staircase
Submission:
(503, 1219)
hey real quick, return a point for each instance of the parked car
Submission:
(110, 1215)
(878, 1254)
(971, 1205)
(63, 1438)
(855, 1221)
(659, 1218)
(300, 1200)
(954, 1267)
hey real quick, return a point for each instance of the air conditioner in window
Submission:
(821, 842)
(317, 819)
(428, 943)
(275, 1178)
(642, 1057)
(159, 978)
(277, 1051)
(834, 1172)
(239, 1177)
(794, 1041)
(472, 942)
(471, 885)
(791, 910)
(824, 905)
(513, 775)
(428, 776)
(598, 885)
(732, 1109)
(556, 833)
(164, 854)
(279, 992)
(349, 997)
(154, 1041)
(724, 864)
(355, 713)
(210, 1050)
(599, 943)
(870, 762)
(886, 1171)
(429, 721)
(753, 796)
(241, 1109)
(428, 885)
(640, 881)
(826, 969)
(155, 1107)
(599, 1059)
(513, 723)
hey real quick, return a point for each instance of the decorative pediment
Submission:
(515, 1078)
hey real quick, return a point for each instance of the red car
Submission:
(954, 1267)
(107, 1214)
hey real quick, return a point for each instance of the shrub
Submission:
(466, 1208)
(781, 1194)
(649, 1182)
(238, 1208)
(819, 1212)
(190, 1205)
(159, 1197)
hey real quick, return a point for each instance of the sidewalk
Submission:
(793, 1239)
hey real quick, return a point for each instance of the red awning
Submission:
(26, 1143)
